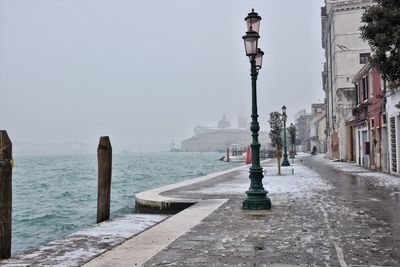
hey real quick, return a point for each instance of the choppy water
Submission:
(55, 195)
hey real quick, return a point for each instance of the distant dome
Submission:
(224, 123)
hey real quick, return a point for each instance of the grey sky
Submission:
(149, 71)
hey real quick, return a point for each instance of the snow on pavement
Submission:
(300, 183)
(81, 246)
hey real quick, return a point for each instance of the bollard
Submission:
(104, 158)
(292, 171)
(6, 163)
(248, 155)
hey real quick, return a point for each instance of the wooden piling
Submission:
(6, 163)
(104, 158)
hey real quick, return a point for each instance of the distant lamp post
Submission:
(285, 161)
(256, 195)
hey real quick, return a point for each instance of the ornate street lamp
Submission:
(253, 21)
(285, 161)
(259, 58)
(256, 195)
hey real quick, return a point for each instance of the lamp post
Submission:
(256, 195)
(285, 161)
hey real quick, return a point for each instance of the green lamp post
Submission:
(285, 161)
(256, 195)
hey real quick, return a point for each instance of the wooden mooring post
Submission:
(104, 159)
(6, 164)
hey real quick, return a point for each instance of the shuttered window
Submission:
(393, 143)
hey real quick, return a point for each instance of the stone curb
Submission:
(152, 201)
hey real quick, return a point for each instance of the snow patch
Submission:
(81, 246)
(301, 182)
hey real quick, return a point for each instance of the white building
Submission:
(345, 53)
(317, 127)
(302, 124)
(392, 121)
(222, 137)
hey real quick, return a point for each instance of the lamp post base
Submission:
(285, 163)
(257, 201)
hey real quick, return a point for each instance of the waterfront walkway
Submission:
(324, 213)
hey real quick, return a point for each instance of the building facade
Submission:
(345, 53)
(221, 137)
(392, 120)
(302, 124)
(317, 127)
(367, 137)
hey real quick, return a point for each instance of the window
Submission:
(393, 144)
(371, 84)
(357, 94)
(365, 88)
(364, 58)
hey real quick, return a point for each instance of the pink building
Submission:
(366, 136)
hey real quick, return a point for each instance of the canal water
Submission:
(54, 195)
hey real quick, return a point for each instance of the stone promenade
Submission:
(323, 214)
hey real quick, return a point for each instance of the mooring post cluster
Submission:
(104, 155)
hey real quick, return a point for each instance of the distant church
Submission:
(221, 137)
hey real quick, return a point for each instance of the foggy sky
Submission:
(147, 72)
